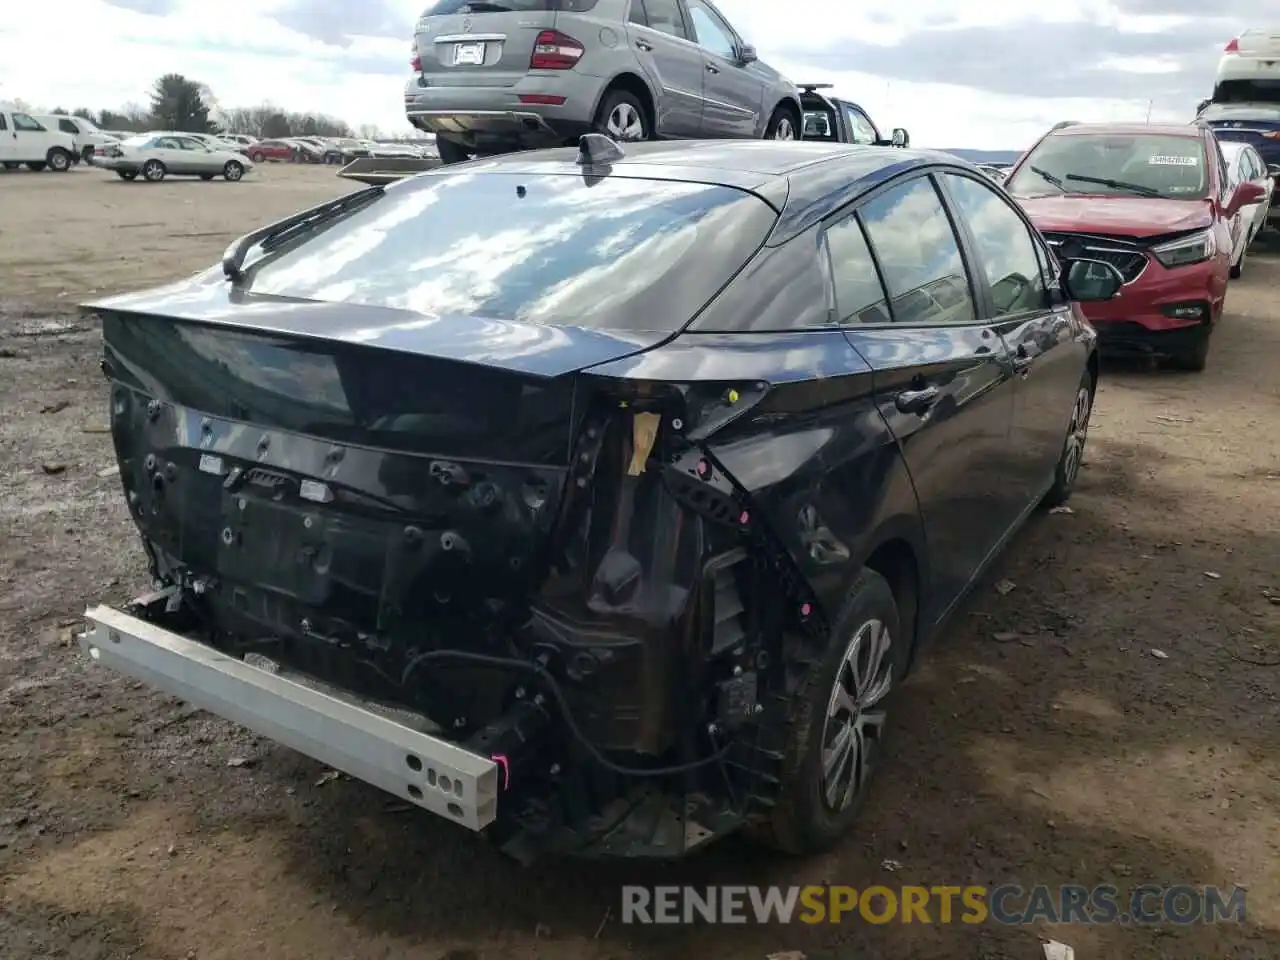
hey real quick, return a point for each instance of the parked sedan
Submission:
(602, 470)
(155, 156)
(1244, 165)
(265, 150)
(494, 77)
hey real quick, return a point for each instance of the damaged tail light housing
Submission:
(553, 50)
(1233, 46)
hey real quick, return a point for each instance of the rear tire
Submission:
(623, 117)
(819, 800)
(87, 154)
(59, 160)
(1196, 357)
(153, 171)
(233, 171)
(451, 151)
(257, 157)
(127, 174)
(783, 125)
(1068, 468)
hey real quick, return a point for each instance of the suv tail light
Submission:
(416, 61)
(553, 50)
(1233, 46)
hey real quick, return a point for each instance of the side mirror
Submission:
(900, 137)
(1091, 280)
(1245, 195)
(1201, 105)
(747, 54)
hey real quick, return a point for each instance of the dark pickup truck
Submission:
(842, 121)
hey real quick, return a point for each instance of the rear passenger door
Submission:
(732, 95)
(672, 62)
(1038, 327)
(943, 378)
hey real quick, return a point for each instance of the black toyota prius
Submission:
(608, 496)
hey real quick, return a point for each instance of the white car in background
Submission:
(85, 134)
(1244, 164)
(1250, 67)
(157, 155)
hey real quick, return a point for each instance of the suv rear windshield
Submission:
(445, 7)
(610, 253)
(1146, 164)
(1268, 112)
(1247, 91)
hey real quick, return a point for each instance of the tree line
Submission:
(180, 103)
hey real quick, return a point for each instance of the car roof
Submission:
(1131, 129)
(835, 173)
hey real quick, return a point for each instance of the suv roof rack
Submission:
(810, 87)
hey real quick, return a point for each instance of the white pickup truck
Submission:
(24, 139)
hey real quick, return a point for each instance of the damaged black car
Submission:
(595, 502)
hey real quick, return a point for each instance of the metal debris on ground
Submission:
(1005, 587)
(1159, 654)
(893, 866)
(328, 777)
(1213, 576)
(1056, 950)
(109, 472)
(1062, 509)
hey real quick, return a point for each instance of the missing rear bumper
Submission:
(432, 773)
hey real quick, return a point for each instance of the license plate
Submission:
(472, 53)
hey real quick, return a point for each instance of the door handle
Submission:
(711, 68)
(916, 401)
(645, 46)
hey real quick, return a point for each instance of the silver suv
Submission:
(499, 75)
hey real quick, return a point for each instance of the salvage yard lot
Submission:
(1103, 709)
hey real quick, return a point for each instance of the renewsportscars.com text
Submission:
(1008, 904)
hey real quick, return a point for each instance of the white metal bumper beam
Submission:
(427, 771)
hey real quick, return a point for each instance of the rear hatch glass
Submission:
(612, 253)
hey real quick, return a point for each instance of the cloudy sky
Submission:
(994, 78)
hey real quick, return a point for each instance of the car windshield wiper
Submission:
(1115, 184)
(1049, 177)
(275, 234)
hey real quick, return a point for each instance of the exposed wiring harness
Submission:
(558, 694)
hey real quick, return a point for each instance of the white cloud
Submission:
(87, 53)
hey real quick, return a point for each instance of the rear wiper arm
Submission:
(274, 234)
(1115, 184)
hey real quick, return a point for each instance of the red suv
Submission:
(1154, 201)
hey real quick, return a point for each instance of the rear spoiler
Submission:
(377, 171)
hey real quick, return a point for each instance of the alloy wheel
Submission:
(854, 724)
(625, 123)
(1077, 433)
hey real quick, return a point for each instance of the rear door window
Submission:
(618, 253)
(66, 126)
(919, 255)
(666, 17)
(860, 297)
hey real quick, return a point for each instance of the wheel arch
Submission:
(633, 83)
(792, 103)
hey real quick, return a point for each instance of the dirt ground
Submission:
(1127, 736)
